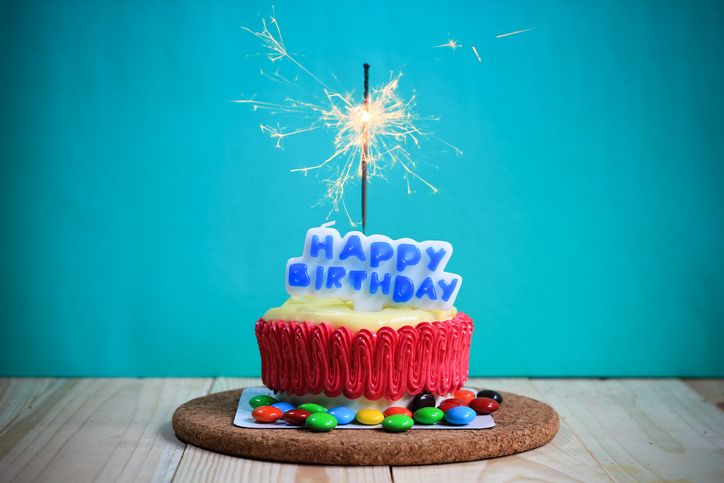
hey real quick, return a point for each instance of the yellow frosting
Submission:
(340, 313)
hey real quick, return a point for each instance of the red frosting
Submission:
(308, 358)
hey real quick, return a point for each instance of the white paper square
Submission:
(243, 417)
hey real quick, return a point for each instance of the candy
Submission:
(296, 417)
(484, 405)
(459, 415)
(397, 423)
(343, 414)
(369, 416)
(313, 408)
(266, 414)
(428, 415)
(283, 406)
(257, 401)
(464, 395)
(451, 403)
(321, 422)
(422, 400)
(494, 395)
(397, 410)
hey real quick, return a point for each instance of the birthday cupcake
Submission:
(370, 323)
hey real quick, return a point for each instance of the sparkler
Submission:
(372, 137)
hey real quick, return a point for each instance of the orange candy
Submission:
(266, 414)
(397, 410)
(464, 395)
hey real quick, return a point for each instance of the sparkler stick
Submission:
(364, 146)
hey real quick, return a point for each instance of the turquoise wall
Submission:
(147, 221)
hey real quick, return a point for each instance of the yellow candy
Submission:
(369, 417)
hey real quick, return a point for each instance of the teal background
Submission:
(147, 221)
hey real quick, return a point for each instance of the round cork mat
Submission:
(521, 424)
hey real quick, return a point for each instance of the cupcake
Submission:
(370, 323)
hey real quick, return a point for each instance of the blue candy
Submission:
(459, 415)
(283, 406)
(344, 415)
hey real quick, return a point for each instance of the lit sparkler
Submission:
(369, 137)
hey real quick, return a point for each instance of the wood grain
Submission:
(119, 429)
(642, 430)
(80, 430)
(712, 390)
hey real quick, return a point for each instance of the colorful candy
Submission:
(459, 415)
(451, 403)
(321, 422)
(283, 406)
(397, 410)
(459, 410)
(428, 415)
(397, 423)
(484, 405)
(296, 417)
(422, 400)
(313, 408)
(494, 395)
(266, 414)
(343, 414)
(369, 417)
(257, 401)
(464, 395)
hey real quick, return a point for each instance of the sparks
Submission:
(477, 56)
(451, 44)
(514, 33)
(387, 126)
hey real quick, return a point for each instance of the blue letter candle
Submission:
(373, 271)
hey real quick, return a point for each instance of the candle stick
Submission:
(364, 146)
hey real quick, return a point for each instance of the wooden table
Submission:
(80, 430)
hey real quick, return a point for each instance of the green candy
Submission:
(257, 401)
(397, 423)
(321, 422)
(429, 415)
(312, 408)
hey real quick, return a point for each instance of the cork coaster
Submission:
(521, 424)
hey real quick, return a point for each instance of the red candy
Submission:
(266, 414)
(451, 403)
(397, 410)
(464, 395)
(484, 405)
(296, 417)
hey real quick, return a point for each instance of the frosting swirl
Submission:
(309, 358)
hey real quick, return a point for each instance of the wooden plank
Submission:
(80, 430)
(710, 389)
(642, 429)
(200, 465)
(563, 459)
